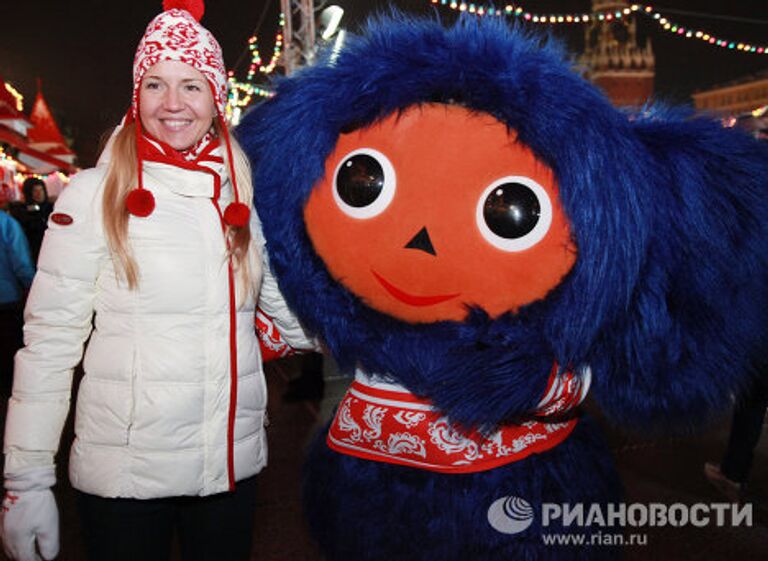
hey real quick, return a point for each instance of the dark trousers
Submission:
(214, 528)
(748, 417)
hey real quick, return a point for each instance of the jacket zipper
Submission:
(132, 413)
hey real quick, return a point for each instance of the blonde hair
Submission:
(121, 179)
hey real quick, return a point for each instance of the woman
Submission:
(169, 425)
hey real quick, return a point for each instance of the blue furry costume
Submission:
(665, 301)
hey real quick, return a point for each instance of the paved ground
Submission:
(664, 471)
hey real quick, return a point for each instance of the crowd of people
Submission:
(22, 225)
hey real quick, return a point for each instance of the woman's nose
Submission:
(172, 100)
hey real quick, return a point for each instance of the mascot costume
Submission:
(481, 238)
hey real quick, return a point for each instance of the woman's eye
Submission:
(514, 213)
(364, 183)
(152, 85)
(193, 88)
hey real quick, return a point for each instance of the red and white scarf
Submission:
(384, 422)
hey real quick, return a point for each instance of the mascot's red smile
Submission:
(411, 299)
(438, 208)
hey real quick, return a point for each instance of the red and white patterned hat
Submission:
(176, 34)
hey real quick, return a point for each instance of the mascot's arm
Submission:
(488, 381)
(684, 348)
(495, 395)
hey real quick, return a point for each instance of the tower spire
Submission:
(614, 58)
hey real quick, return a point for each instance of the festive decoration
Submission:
(665, 23)
(21, 172)
(755, 122)
(45, 177)
(36, 144)
(5, 157)
(256, 57)
(45, 134)
(15, 93)
(241, 94)
(14, 172)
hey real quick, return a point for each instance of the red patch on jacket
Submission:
(61, 219)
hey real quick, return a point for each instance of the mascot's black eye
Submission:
(514, 213)
(364, 183)
(360, 180)
(511, 210)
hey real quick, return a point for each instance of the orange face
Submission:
(427, 212)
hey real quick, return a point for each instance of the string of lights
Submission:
(20, 172)
(16, 95)
(241, 93)
(5, 157)
(512, 10)
(6, 160)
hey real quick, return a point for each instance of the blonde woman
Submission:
(157, 257)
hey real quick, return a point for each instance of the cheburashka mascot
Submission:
(475, 232)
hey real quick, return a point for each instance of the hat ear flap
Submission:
(698, 312)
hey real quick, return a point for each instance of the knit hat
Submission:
(176, 34)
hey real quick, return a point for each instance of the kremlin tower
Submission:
(614, 59)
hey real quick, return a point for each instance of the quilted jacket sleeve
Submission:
(272, 305)
(57, 318)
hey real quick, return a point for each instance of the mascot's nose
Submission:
(421, 241)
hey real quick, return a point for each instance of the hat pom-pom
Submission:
(140, 202)
(194, 7)
(237, 215)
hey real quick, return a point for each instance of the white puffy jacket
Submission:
(155, 414)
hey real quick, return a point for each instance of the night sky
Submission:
(83, 49)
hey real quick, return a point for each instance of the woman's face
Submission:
(176, 104)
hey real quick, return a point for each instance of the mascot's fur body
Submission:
(665, 301)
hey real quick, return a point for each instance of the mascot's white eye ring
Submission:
(514, 213)
(364, 183)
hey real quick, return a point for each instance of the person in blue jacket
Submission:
(16, 272)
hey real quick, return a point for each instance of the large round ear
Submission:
(698, 313)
